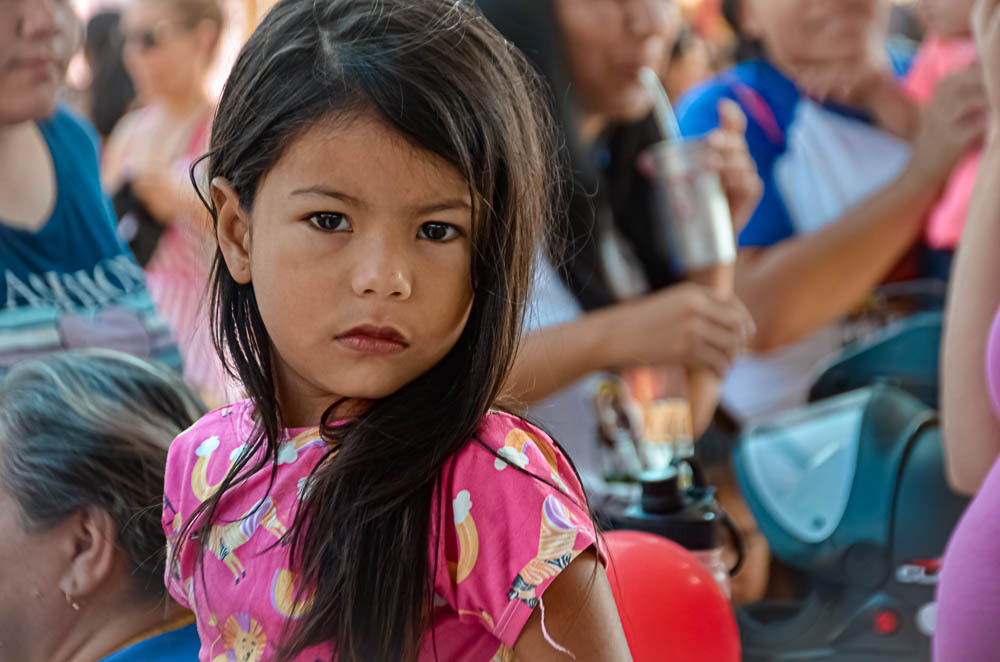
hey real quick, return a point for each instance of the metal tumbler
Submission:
(696, 227)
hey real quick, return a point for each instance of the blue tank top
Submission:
(71, 284)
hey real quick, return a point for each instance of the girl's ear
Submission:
(233, 230)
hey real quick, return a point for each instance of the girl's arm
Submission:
(970, 426)
(580, 616)
(802, 284)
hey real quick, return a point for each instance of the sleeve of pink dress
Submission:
(515, 516)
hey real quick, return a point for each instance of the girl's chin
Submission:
(635, 106)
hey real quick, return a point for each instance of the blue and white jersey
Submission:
(817, 162)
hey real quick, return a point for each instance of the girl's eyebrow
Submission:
(443, 205)
(448, 204)
(329, 193)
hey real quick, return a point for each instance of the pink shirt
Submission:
(968, 592)
(937, 59)
(506, 536)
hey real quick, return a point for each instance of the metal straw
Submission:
(663, 110)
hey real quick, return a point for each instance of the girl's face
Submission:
(37, 39)
(607, 42)
(165, 56)
(358, 247)
(803, 33)
(947, 18)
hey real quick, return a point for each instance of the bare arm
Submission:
(705, 386)
(580, 616)
(687, 324)
(552, 358)
(970, 426)
(802, 284)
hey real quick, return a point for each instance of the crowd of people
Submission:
(278, 368)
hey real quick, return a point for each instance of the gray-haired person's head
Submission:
(90, 429)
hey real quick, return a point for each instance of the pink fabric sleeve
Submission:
(511, 525)
(172, 519)
(179, 500)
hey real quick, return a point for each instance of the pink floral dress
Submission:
(506, 535)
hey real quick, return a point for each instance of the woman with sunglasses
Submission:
(66, 282)
(169, 46)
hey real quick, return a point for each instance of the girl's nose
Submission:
(381, 271)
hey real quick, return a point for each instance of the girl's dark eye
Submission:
(329, 222)
(438, 231)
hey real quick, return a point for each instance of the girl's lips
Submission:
(370, 345)
(377, 341)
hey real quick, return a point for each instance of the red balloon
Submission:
(669, 604)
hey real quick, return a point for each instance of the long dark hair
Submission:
(593, 206)
(746, 48)
(437, 72)
(111, 88)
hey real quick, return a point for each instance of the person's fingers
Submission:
(737, 161)
(743, 190)
(969, 108)
(717, 349)
(718, 362)
(972, 130)
(960, 84)
(727, 313)
(731, 117)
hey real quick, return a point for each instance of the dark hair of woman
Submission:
(589, 204)
(90, 429)
(746, 47)
(111, 88)
(438, 73)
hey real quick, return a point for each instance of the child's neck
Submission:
(304, 411)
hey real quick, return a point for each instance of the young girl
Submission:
(379, 176)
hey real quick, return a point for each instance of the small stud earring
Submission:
(72, 603)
